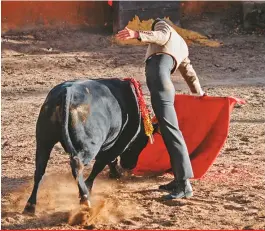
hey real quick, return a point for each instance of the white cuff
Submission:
(201, 93)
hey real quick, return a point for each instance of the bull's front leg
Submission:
(77, 171)
(114, 173)
(97, 168)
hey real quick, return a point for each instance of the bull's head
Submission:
(129, 157)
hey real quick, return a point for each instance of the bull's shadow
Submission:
(14, 196)
(56, 41)
(137, 179)
(36, 222)
(8, 184)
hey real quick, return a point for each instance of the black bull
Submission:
(91, 119)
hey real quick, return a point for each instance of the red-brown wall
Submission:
(21, 15)
(198, 7)
(29, 14)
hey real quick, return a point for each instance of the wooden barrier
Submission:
(18, 15)
(124, 11)
(21, 15)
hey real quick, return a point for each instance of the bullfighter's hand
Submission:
(203, 94)
(127, 33)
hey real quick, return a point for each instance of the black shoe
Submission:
(182, 190)
(168, 187)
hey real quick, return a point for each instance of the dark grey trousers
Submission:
(158, 77)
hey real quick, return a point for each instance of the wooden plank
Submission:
(134, 5)
(254, 15)
(21, 15)
(122, 17)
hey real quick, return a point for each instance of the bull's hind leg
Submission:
(42, 156)
(77, 171)
(97, 168)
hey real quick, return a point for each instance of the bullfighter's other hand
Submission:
(127, 33)
(202, 94)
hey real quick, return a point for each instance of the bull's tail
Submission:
(76, 163)
(70, 149)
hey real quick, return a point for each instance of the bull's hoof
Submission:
(85, 202)
(29, 209)
(114, 175)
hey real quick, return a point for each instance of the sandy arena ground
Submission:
(230, 196)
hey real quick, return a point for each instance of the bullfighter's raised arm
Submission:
(160, 35)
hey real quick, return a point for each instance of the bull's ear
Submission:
(156, 128)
